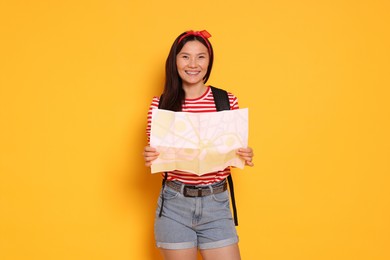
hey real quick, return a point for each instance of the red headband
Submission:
(204, 34)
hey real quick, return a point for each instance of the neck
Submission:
(194, 91)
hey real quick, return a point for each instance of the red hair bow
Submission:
(204, 34)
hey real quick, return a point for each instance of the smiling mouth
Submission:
(191, 73)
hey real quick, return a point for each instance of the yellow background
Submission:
(76, 80)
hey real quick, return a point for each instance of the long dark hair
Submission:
(173, 95)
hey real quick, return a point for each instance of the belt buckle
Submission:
(187, 188)
(185, 193)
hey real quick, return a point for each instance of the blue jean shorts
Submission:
(187, 222)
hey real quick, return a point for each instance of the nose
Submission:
(192, 62)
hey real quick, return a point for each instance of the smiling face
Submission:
(192, 63)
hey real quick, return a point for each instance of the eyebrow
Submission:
(202, 53)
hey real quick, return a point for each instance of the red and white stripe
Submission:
(205, 103)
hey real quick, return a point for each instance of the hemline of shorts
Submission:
(204, 246)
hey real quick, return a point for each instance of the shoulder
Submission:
(155, 102)
(230, 94)
(233, 100)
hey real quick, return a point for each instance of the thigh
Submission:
(216, 227)
(187, 254)
(231, 252)
(173, 230)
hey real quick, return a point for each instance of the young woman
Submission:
(202, 220)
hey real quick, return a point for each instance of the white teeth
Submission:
(192, 72)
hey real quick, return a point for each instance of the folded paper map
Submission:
(198, 142)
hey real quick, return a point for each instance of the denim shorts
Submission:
(187, 222)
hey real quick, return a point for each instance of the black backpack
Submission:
(221, 100)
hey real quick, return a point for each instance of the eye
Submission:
(184, 56)
(202, 56)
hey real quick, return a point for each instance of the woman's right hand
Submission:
(150, 154)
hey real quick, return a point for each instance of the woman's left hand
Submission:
(247, 155)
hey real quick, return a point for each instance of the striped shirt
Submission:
(204, 103)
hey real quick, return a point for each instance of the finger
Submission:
(149, 149)
(245, 150)
(245, 153)
(249, 163)
(151, 154)
(150, 158)
(246, 156)
(149, 161)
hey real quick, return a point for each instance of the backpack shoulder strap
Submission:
(221, 99)
(165, 174)
(232, 197)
